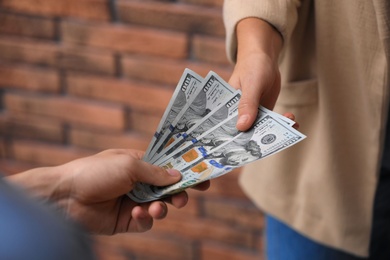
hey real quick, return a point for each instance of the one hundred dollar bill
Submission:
(188, 87)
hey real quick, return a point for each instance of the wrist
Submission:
(44, 183)
(256, 36)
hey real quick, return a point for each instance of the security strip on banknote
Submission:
(200, 126)
(207, 144)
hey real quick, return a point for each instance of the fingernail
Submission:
(173, 172)
(242, 120)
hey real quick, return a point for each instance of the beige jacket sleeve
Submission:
(282, 14)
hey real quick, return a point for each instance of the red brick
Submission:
(87, 9)
(144, 123)
(72, 110)
(106, 248)
(150, 246)
(31, 128)
(29, 78)
(209, 49)
(27, 117)
(85, 59)
(156, 69)
(227, 186)
(36, 52)
(128, 39)
(205, 229)
(59, 56)
(217, 3)
(45, 154)
(101, 141)
(26, 26)
(136, 95)
(167, 71)
(239, 212)
(212, 251)
(181, 17)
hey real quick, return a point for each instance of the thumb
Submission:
(152, 174)
(249, 102)
(248, 108)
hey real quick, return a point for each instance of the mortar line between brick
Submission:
(127, 114)
(190, 46)
(66, 133)
(118, 65)
(2, 91)
(57, 29)
(113, 10)
(62, 79)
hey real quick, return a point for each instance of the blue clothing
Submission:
(284, 243)
(32, 230)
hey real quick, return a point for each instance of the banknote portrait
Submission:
(239, 151)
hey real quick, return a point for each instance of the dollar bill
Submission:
(188, 87)
(214, 92)
(199, 127)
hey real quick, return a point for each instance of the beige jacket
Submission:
(334, 79)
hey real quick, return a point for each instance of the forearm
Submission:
(256, 36)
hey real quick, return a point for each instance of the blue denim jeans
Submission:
(284, 243)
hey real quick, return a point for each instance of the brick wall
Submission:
(80, 76)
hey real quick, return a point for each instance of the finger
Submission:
(178, 200)
(124, 216)
(158, 210)
(202, 186)
(141, 220)
(296, 126)
(289, 115)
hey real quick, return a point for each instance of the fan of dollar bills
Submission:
(197, 135)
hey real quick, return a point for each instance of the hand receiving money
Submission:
(197, 135)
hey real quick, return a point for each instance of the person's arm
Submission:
(256, 71)
(92, 190)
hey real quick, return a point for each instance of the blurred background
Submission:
(81, 76)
